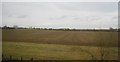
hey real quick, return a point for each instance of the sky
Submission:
(60, 14)
(60, 0)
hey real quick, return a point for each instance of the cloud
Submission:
(115, 17)
(0, 14)
(22, 16)
(74, 15)
(60, 0)
(87, 6)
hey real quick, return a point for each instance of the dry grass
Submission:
(62, 45)
(85, 38)
(54, 52)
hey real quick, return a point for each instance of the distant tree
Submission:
(73, 29)
(66, 29)
(5, 27)
(45, 28)
(111, 28)
(118, 29)
(30, 27)
(50, 28)
(15, 26)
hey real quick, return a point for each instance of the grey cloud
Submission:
(87, 18)
(95, 18)
(95, 6)
(0, 14)
(59, 14)
(59, 18)
(17, 16)
(115, 17)
(22, 16)
(10, 16)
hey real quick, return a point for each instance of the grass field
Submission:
(83, 38)
(62, 45)
(54, 52)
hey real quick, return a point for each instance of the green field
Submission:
(59, 45)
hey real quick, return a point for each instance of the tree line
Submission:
(64, 29)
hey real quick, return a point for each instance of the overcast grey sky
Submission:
(61, 14)
(60, 0)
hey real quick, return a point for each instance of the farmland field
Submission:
(51, 44)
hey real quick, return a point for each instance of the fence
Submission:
(11, 59)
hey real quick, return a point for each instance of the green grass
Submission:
(54, 51)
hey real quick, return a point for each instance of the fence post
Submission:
(2, 57)
(21, 59)
(31, 59)
(10, 57)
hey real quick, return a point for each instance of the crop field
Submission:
(59, 45)
(85, 38)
